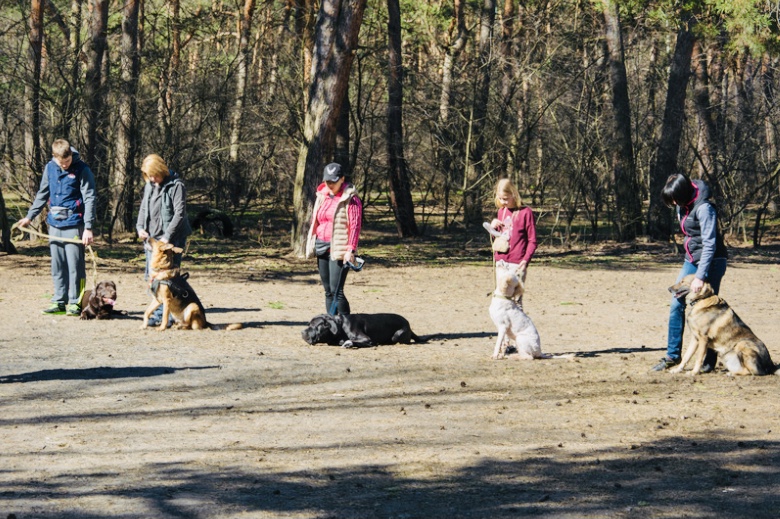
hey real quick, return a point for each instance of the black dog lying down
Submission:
(356, 330)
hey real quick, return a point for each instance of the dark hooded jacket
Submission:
(699, 224)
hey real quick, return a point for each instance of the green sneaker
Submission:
(55, 309)
(73, 309)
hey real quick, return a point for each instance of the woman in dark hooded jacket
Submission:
(705, 256)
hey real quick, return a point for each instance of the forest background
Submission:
(586, 105)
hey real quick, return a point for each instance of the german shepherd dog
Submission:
(715, 325)
(170, 288)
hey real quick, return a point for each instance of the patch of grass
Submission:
(276, 305)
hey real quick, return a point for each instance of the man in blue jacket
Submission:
(68, 188)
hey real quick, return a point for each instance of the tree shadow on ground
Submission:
(673, 477)
(100, 373)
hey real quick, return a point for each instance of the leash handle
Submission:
(92, 254)
(357, 266)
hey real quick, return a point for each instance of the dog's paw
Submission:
(348, 344)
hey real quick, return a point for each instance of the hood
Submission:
(703, 191)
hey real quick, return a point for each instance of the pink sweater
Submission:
(522, 235)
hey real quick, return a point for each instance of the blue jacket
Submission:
(70, 194)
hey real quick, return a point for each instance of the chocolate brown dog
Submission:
(99, 303)
(170, 288)
(715, 325)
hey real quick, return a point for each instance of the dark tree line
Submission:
(586, 105)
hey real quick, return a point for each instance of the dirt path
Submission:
(102, 419)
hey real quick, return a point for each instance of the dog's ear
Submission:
(334, 323)
(177, 250)
(706, 290)
(519, 289)
(166, 246)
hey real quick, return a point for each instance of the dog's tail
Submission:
(231, 326)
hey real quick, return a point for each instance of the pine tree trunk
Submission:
(32, 100)
(237, 181)
(628, 214)
(6, 245)
(472, 192)
(665, 163)
(336, 34)
(400, 189)
(127, 127)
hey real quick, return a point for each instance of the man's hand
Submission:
(143, 234)
(24, 222)
(86, 237)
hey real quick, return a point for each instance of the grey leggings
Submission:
(330, 272)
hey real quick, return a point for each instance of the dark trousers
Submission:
(330, 274)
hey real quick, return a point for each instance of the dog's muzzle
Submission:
(310, 336)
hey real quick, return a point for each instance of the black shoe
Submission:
(665, 364)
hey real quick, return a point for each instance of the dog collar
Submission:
(498, 296)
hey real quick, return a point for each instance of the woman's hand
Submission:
(143, 235)
(87, 237)
(24, 222)
(349, 257)
(696, 285)
(522, 265)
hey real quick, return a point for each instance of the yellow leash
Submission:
(92, 255)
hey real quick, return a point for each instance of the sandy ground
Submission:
(101, 419)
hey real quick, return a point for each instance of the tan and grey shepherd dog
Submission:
(513, 325)
(713, 324)
(170, 288)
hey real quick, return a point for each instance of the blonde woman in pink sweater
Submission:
(334, 233)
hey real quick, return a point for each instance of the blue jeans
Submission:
(677, 309)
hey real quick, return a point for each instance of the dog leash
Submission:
(92, 255)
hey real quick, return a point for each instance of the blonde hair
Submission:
(505, 187)
(61, 149)
(153, 166)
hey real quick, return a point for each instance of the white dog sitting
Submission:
(512, 323)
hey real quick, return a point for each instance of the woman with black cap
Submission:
(334, 233)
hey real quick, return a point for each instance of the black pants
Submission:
(330, 274)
